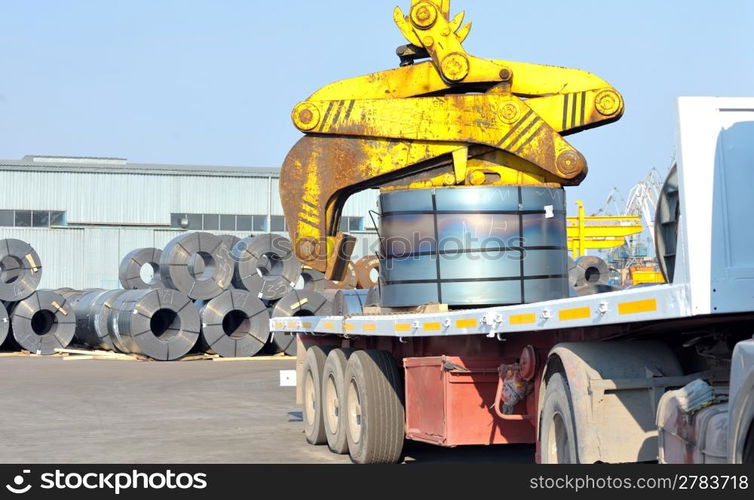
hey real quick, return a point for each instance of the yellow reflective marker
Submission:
(639, 306)
(403, 327)
(523, 319)
(348, 327)
(329, 325)
(369, 327)
(575, 313)
(432, 327)
(466, 323)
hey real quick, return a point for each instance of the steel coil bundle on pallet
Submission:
(234, 324)
(20, 270)
(299, 303)
(132, 265)
(266, 266)
(162, 324)
(43, 322)
(179, 271)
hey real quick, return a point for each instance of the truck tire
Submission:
(314, 363)
(375, 414)
(333, 401)
(557, 430)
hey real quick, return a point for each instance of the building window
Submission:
(31, 218)
(349, 224)
(219, 222)
(277, 224)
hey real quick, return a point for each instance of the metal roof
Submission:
(82, 164)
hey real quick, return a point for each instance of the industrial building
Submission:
(66, 207)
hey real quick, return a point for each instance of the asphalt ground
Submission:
(100, 411)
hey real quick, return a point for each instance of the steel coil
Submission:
(177, 268)
(20, 270)
(266, 266)
(4, 323)
(297, 303)
(590, 270)
(373, 297)
(466, 246)
(313, 280)
(132, 265)
(234, 324)
(364, 268)
(43, 322)
(91, 324)
(161, 324)
(349, 302)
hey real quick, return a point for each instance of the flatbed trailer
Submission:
(593, 378)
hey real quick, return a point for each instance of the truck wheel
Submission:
(557, 430)
(333, 400)
(314, 363)
(374, 408)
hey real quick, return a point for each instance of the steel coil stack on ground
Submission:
(162, 324)
(178, 271)
(43, 322)
(132, 267)
(234, 324)
(266, 266)
(20, 270)
(298, 303)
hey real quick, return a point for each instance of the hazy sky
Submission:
(214, 82)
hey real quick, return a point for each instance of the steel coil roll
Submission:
(43, 322)
(229, 240)
(373, 297)
(4, 323)
(590, 270)
(129, 272)
(87, 308)
(161, 324)
(297, 303)
(234, 324)
(178, 271)
(20, 270)
(313, 280)
(465, 246)
(349, 302)
(266, 266)
(364, 268)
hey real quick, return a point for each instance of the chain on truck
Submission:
(482, 341)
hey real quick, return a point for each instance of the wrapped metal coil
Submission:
(590, 270)
(266, 266)
(131, 267)
(43, 322)
(229, 240)
(161, 324)
(373, 297)
(364, 268)
(20, 270)
(297, 303)
(178, 271)
(234, 324)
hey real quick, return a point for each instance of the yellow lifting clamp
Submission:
(442, 118)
